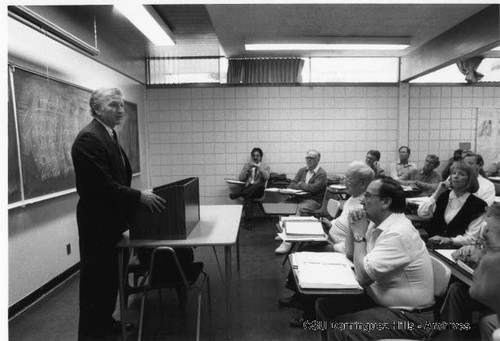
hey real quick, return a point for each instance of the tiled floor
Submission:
(256, 290)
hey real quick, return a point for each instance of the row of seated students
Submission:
(385, 247)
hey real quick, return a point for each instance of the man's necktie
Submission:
(115, 139)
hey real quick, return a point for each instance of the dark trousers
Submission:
(358, 318)
(249, 193)
(458, 307)
(98, 288)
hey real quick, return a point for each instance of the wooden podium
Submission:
(181, 214)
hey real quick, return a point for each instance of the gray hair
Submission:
(98, 97)
(315, 151)
(364, 171)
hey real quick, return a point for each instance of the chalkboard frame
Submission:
(132, 147)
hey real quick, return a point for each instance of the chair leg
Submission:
(141, 315)
(208, 294)
(160, 296)
(198, 316)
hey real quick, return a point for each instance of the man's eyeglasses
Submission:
(368, 195)
(310, 158)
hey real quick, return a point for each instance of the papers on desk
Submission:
(286, 191)
(447, 254)
(497, 199)
(464, 266)
(338, 187)
(234, 182)
(301, 229)
(324, 270)
(494, 178)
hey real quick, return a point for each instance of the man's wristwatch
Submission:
(359, 238)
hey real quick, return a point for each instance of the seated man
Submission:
(458, 306)
(486, 187)
(311, 179)
(372, 159)
(393, 265)
(358, 177)
(404, 166)
(486, 276)
(255, 174)
(493, 169)
(425, 179)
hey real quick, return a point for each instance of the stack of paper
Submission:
(304, 228)
(324, 270)
(286, 191)
(299, 229)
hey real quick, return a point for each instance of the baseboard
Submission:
(19, 306)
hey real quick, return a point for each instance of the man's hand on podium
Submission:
(153, 201)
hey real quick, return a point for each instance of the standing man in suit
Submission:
(103, 178)
(311, 179)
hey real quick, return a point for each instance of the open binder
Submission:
(324, 270)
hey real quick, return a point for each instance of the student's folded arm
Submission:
(318, 185)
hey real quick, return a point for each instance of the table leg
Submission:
(238, 252)
(227, 252)
(120, 289)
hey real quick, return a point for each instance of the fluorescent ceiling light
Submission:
(312, 47)
(147, 21)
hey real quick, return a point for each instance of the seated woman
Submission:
(456, 214)
(255, 174)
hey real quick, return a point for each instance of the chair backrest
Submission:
(322, 211)
(333, 208)
(442, 274)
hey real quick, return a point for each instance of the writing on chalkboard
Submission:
(50, 114)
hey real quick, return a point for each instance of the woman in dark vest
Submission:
(456, 214)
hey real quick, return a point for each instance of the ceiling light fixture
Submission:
(312, 47)
(147, 20)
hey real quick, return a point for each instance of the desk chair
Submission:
(323, 211)
(185, 280)
(442, 274)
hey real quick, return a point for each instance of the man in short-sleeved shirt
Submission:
(392, 263)
(399, 168)
(424, 179)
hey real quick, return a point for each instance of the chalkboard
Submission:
(50, 114)
(14, 176)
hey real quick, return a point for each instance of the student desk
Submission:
(218, 225)
(456, 270)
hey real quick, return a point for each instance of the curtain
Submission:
(265, 71)
(468, 67)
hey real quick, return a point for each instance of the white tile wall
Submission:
(209, 132)
(442, 116)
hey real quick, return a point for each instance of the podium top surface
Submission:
(218, 225)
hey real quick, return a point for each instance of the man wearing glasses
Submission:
(392, 263)
(311, 179)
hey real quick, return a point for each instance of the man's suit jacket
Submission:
(103, 178)
(316, 185)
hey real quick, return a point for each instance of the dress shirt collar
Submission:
(461, 199)
(314, 171)
(108, 129)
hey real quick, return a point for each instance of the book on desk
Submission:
(298, 229)
(324, 270)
